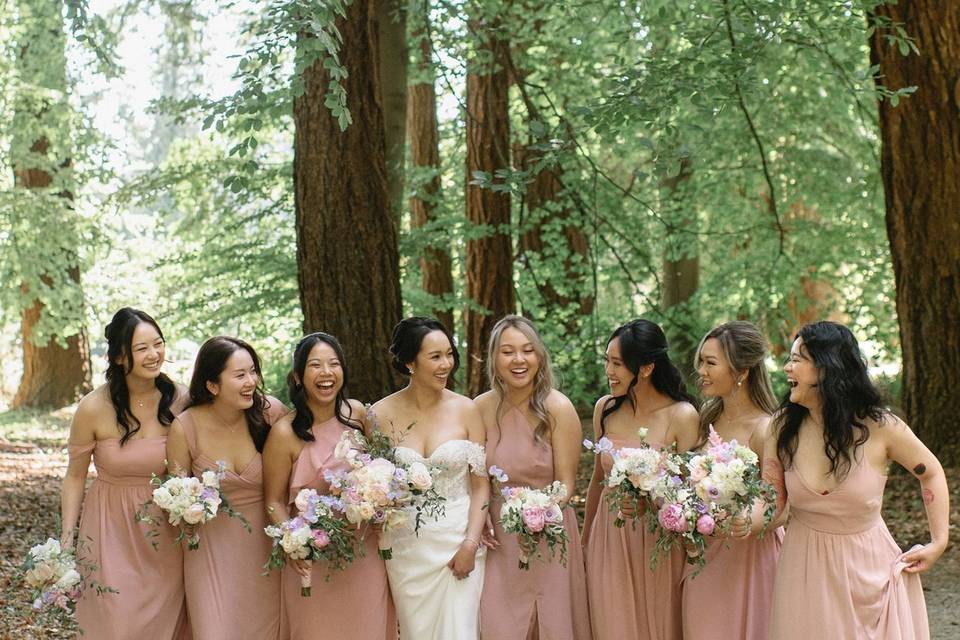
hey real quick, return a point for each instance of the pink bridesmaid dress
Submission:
(354, 603)
(732, 594)
(227, 596)
(627, 599)
(149, 603)
(840, 573)
(548, 601)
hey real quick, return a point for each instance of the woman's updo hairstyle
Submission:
(303, 416)
(408, 336)
(119, 335)
(641, 343)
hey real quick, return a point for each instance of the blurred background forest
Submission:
(265, 168)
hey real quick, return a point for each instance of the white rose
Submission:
(162, 498)
(211, 480)
(302, 500)
(68, 579)
(194, 514)
(420, 476)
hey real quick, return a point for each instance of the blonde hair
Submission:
(745, 349)
(542, 384)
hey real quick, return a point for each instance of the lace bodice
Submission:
(453, 460)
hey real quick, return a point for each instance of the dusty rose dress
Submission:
(355, 603)
(226, 596)
(627, 599)
(149, 604)
(840, 574)
(548, 601)
(732, 595)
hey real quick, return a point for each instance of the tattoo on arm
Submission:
(927, 496)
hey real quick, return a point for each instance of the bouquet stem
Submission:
(305, 584)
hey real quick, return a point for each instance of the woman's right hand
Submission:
(302, 567)
(488, 537)
(630, 508)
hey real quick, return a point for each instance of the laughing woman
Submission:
(228, 421)
(123, 425)
(627, 599)
(841, 575)
(353, 603)
(534, 436)
(731, 596)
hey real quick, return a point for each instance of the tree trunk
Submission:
(436, 268)
(54, 374)
(489, 259)
(920, 164)
(392, 19)
(681, 266)
(347, 259)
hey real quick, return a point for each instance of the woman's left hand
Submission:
(464, 560)
(921, 558)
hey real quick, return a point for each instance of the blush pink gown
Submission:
(627, 599)
(149, 604)
(227, 597)
(840, 573)
(548, 601)
(354, 603)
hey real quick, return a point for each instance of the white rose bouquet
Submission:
(53, 575)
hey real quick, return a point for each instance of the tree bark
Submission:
(920, 164)
(347, 258)
(436, 267)
(54, 375)
(489, 259)
(681, 264)
(392, 19)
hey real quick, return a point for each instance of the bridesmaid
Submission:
(626, 598)
(228, 420)
(841, 575)
(356, 602)
(124, 425)
(731, 596)
(534, 435)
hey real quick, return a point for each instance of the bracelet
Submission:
(468, 539)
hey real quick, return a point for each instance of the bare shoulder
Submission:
(463, 405)
(685, 413)
(559, 403)
(181, 398)
(486, 404)
(888, 425)
(282, 429)
(356, 410)
(386, 405)
(601, 405)
(95, 406)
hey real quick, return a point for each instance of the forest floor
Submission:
(33, 460)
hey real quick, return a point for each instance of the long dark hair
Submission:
(847, 395)
(119, 335)
(408, 335)
(641, 343)
(303, 417)
(211, 361)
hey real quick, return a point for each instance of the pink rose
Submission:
(705, 524)
(320, 538)
(534, 518)
(671, 518)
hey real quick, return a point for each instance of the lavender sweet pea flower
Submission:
(498, 474)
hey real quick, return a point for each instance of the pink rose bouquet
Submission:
(534, 515)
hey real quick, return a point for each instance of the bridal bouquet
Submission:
(188, 503)
(317, 533)
(378, 489)
(719, 483)
(51, 573)
(533, 515)
(639, 474)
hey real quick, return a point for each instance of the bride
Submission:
(436, 575)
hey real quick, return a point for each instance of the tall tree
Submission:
(347, 258)
(490, 290)
(681, 262)
(920, 162)
(436, 268)
(56, 361)
(394, 57)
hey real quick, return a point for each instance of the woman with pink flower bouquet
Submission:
(124, 424)
(300, 451)
(626, 598)
(228, 421)
(533, 435)
(731, 595)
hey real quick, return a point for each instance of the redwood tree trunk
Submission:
(489, 259)
(348, 265)
(53, 375)
(392, 19)
(920, 163)
(436, 268)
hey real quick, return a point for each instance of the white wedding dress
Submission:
(431, 603)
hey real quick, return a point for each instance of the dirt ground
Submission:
(33, 460)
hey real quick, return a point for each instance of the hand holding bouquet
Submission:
(188, 503)
(317, 533)
(533, 515)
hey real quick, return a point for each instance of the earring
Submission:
(740, 382)
(410, 369)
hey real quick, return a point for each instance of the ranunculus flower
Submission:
(320, 538)
(705, 524)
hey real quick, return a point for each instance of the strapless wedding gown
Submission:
(431, 603)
